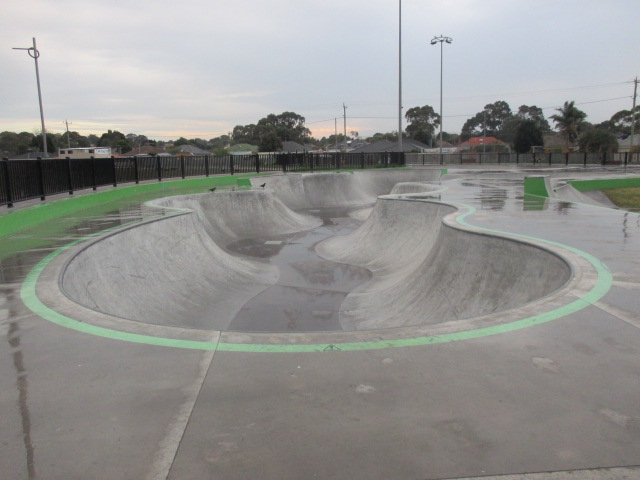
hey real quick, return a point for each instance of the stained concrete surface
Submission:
(558, 397)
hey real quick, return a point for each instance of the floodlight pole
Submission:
(400, 75)
(34, 53)
(441, 39)
(633, 114)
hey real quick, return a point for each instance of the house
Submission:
(146, 150)
(554, 143)
(292, 147)
(242, 149)
(193, 150)
(624, 144)
(478, 144)
(84, 152)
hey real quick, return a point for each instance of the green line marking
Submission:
(605, 183)
(603, 284)
(535, 186)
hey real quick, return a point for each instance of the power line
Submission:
(375, 103)
(594, 101)
(547, 108)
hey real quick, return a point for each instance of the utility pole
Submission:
(633, 113)
(344, 107)
(34, 53)
(400, 74)
(66, 122)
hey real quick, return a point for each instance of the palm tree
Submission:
(568, 122)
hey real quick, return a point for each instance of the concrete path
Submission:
(545, 391)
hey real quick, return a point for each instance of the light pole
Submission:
(33, 53)
(441, 40)
(400, 75)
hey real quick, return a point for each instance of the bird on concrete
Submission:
(212, 189)
(263, 185)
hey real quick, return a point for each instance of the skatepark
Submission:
(414, 323)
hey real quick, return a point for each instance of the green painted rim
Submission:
(602, 286)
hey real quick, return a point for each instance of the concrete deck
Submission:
(545, 389)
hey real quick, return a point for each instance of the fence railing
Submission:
(22, 180)
(573, 158)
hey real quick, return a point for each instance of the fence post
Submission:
(550, 158)
(159, 168)
(585, 159)
(113, 167)
(566, 159)
(312, 157)
(338, 161)
(231, 166)
(7, 182)
(206, 165)
(257, 158)
(69, 176)
(40, 178)
(182, 166)
(136, 170)
(93, 174)
(626, 155)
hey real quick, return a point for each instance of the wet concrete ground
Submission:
(310, 289)
(558, 397)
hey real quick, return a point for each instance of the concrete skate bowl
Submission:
(426, 270)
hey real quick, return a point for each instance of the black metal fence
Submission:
(28, 179)
(554, 159)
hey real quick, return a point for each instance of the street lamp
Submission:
(441, 40)
(33, 53)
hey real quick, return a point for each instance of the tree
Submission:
(569, 122)
(116, 140)
(620, 122)
(270, 142)
(377, 137)
(490, 121)
(73, 139)
(136, 140)
(288, 126)
(245, 134)
(220, 142)
(52, 142)
(15, 143)
(332, 140)
(423, 122)
(534, 114)
(528, 134)
(598, 141)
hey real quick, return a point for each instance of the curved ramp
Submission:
(427, 272)
(344, 189)
(563, 190)
(230, 216)
(175, 271)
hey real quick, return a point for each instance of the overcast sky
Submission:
(197, 68)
